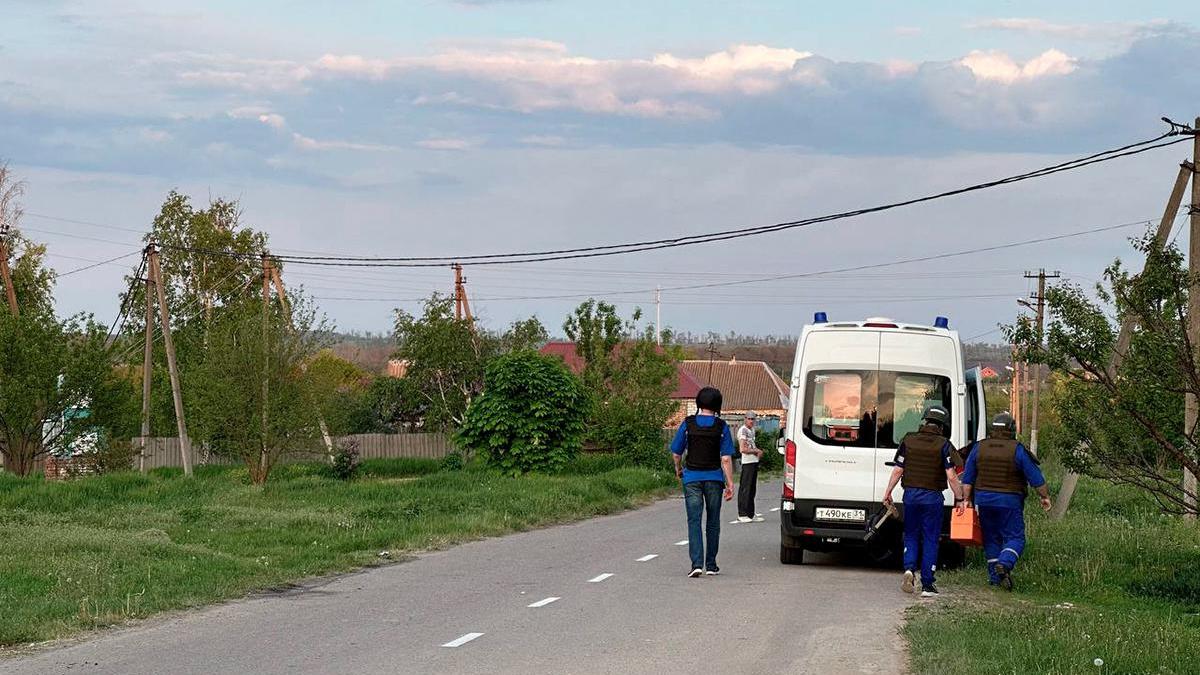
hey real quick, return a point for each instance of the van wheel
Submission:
(952, 556)
(791, 556)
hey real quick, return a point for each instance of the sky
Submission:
(442, 127)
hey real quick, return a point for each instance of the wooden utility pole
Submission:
(658, 314)
(462, 306)
(266, 300)
(1125, 335)
(1019, 401)
(147, 372)
(1190, 406)
(6, 274)
(185, 445)
(1041, 276)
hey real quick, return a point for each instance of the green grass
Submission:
(101, 550)
(1115, 580)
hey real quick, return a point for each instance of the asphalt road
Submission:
(833, 616)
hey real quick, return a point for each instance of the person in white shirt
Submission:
(748, 483)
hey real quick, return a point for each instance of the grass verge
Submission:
(101, 550)
(1115, 580)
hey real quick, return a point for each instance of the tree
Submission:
(525, 334)
(446, 358)
(1123, 424)
(628, 378)
(529, 417)
(232, 411)
(344, 387)
(396, 405)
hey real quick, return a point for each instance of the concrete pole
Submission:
(147, 368)
(1190, 408)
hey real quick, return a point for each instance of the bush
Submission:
(771, 459)
(113, 455)
(453, 462)
(345, 461)
(530, 416)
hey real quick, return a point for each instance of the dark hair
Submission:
(709, 398)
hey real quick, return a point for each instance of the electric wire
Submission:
(96, 263)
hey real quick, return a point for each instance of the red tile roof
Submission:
(686, 387)
(744, 385)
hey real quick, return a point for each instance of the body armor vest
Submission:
(923, 463)
(997, 465)
(704, 445)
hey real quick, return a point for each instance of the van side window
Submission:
(841, 407)
(867, 408)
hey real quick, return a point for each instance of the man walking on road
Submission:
(707, 475)
(998, 469)
(748, 482)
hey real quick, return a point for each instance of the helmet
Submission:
(937, 415)
(1004, 424)
(709, 398)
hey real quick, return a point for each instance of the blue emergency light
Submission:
(941, 322)
(820, 317)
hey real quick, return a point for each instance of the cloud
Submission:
(445, 144)
(306, 143)
(262, 114)
(1118, 31)
(546, 141)
(1000, 67)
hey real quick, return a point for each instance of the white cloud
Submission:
(446, 144)
(749, 69)
(260, 113)
(151, 135)
(306, 143)
(544, 141)
(998, 66)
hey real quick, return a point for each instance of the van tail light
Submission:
(789, 469)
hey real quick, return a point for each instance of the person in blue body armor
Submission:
(707, 475)
(925, 467)
(998, 469)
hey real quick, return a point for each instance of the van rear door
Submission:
(976, 408)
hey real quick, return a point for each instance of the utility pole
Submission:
(185, 444)
(658, 314)
(5, 273)
(266, 299)
(1190, 407)
(1041, 276)
(1125, 335)
(147, 370)
(462, 307)
(712, 351)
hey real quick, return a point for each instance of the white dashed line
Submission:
(543, 603)
(681, 543)
(775, 509)
(647, 558)
(599, 578)
(462, 640)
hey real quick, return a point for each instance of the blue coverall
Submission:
(923, 515)
(1002, 514)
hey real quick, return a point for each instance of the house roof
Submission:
(744, 385)
(686, 387)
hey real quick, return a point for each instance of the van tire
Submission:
(952, 556)
(791, 556)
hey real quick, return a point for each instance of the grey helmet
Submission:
(938, 415)
(1004, 425)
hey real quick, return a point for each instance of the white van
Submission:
(858, 387)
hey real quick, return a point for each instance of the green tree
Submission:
(529, 417)
(1125, 423)
(396, 405)
(596, 330)
(344, 391)
(525, 334)
(446, 358)
(232, 412)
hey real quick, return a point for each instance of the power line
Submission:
(97, 263)
(687, 240)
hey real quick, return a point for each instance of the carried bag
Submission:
(964, 527)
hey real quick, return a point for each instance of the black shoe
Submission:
(1003, 576)
(696, 571)
(929, 591)
(712, 571)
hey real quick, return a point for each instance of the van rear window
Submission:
(869, 408)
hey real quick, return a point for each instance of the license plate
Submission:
(841, 515)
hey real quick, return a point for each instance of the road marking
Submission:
(599, 578)
(462, 640)
(647, 558)
(681, 543)
(543, 603)
(775, 509)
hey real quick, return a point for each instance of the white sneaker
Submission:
(758, 519)
(695, 573)
(745, 519)
(909, 582)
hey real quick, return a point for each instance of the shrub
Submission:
(345, 461)
(453, 462)
(529, 417)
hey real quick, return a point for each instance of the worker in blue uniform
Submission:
(924, 465)
(998, 469)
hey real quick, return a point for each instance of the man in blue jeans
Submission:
(707, 475)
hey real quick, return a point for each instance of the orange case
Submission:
(964, 529)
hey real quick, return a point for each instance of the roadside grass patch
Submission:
(105, 549)
(1115, 580)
